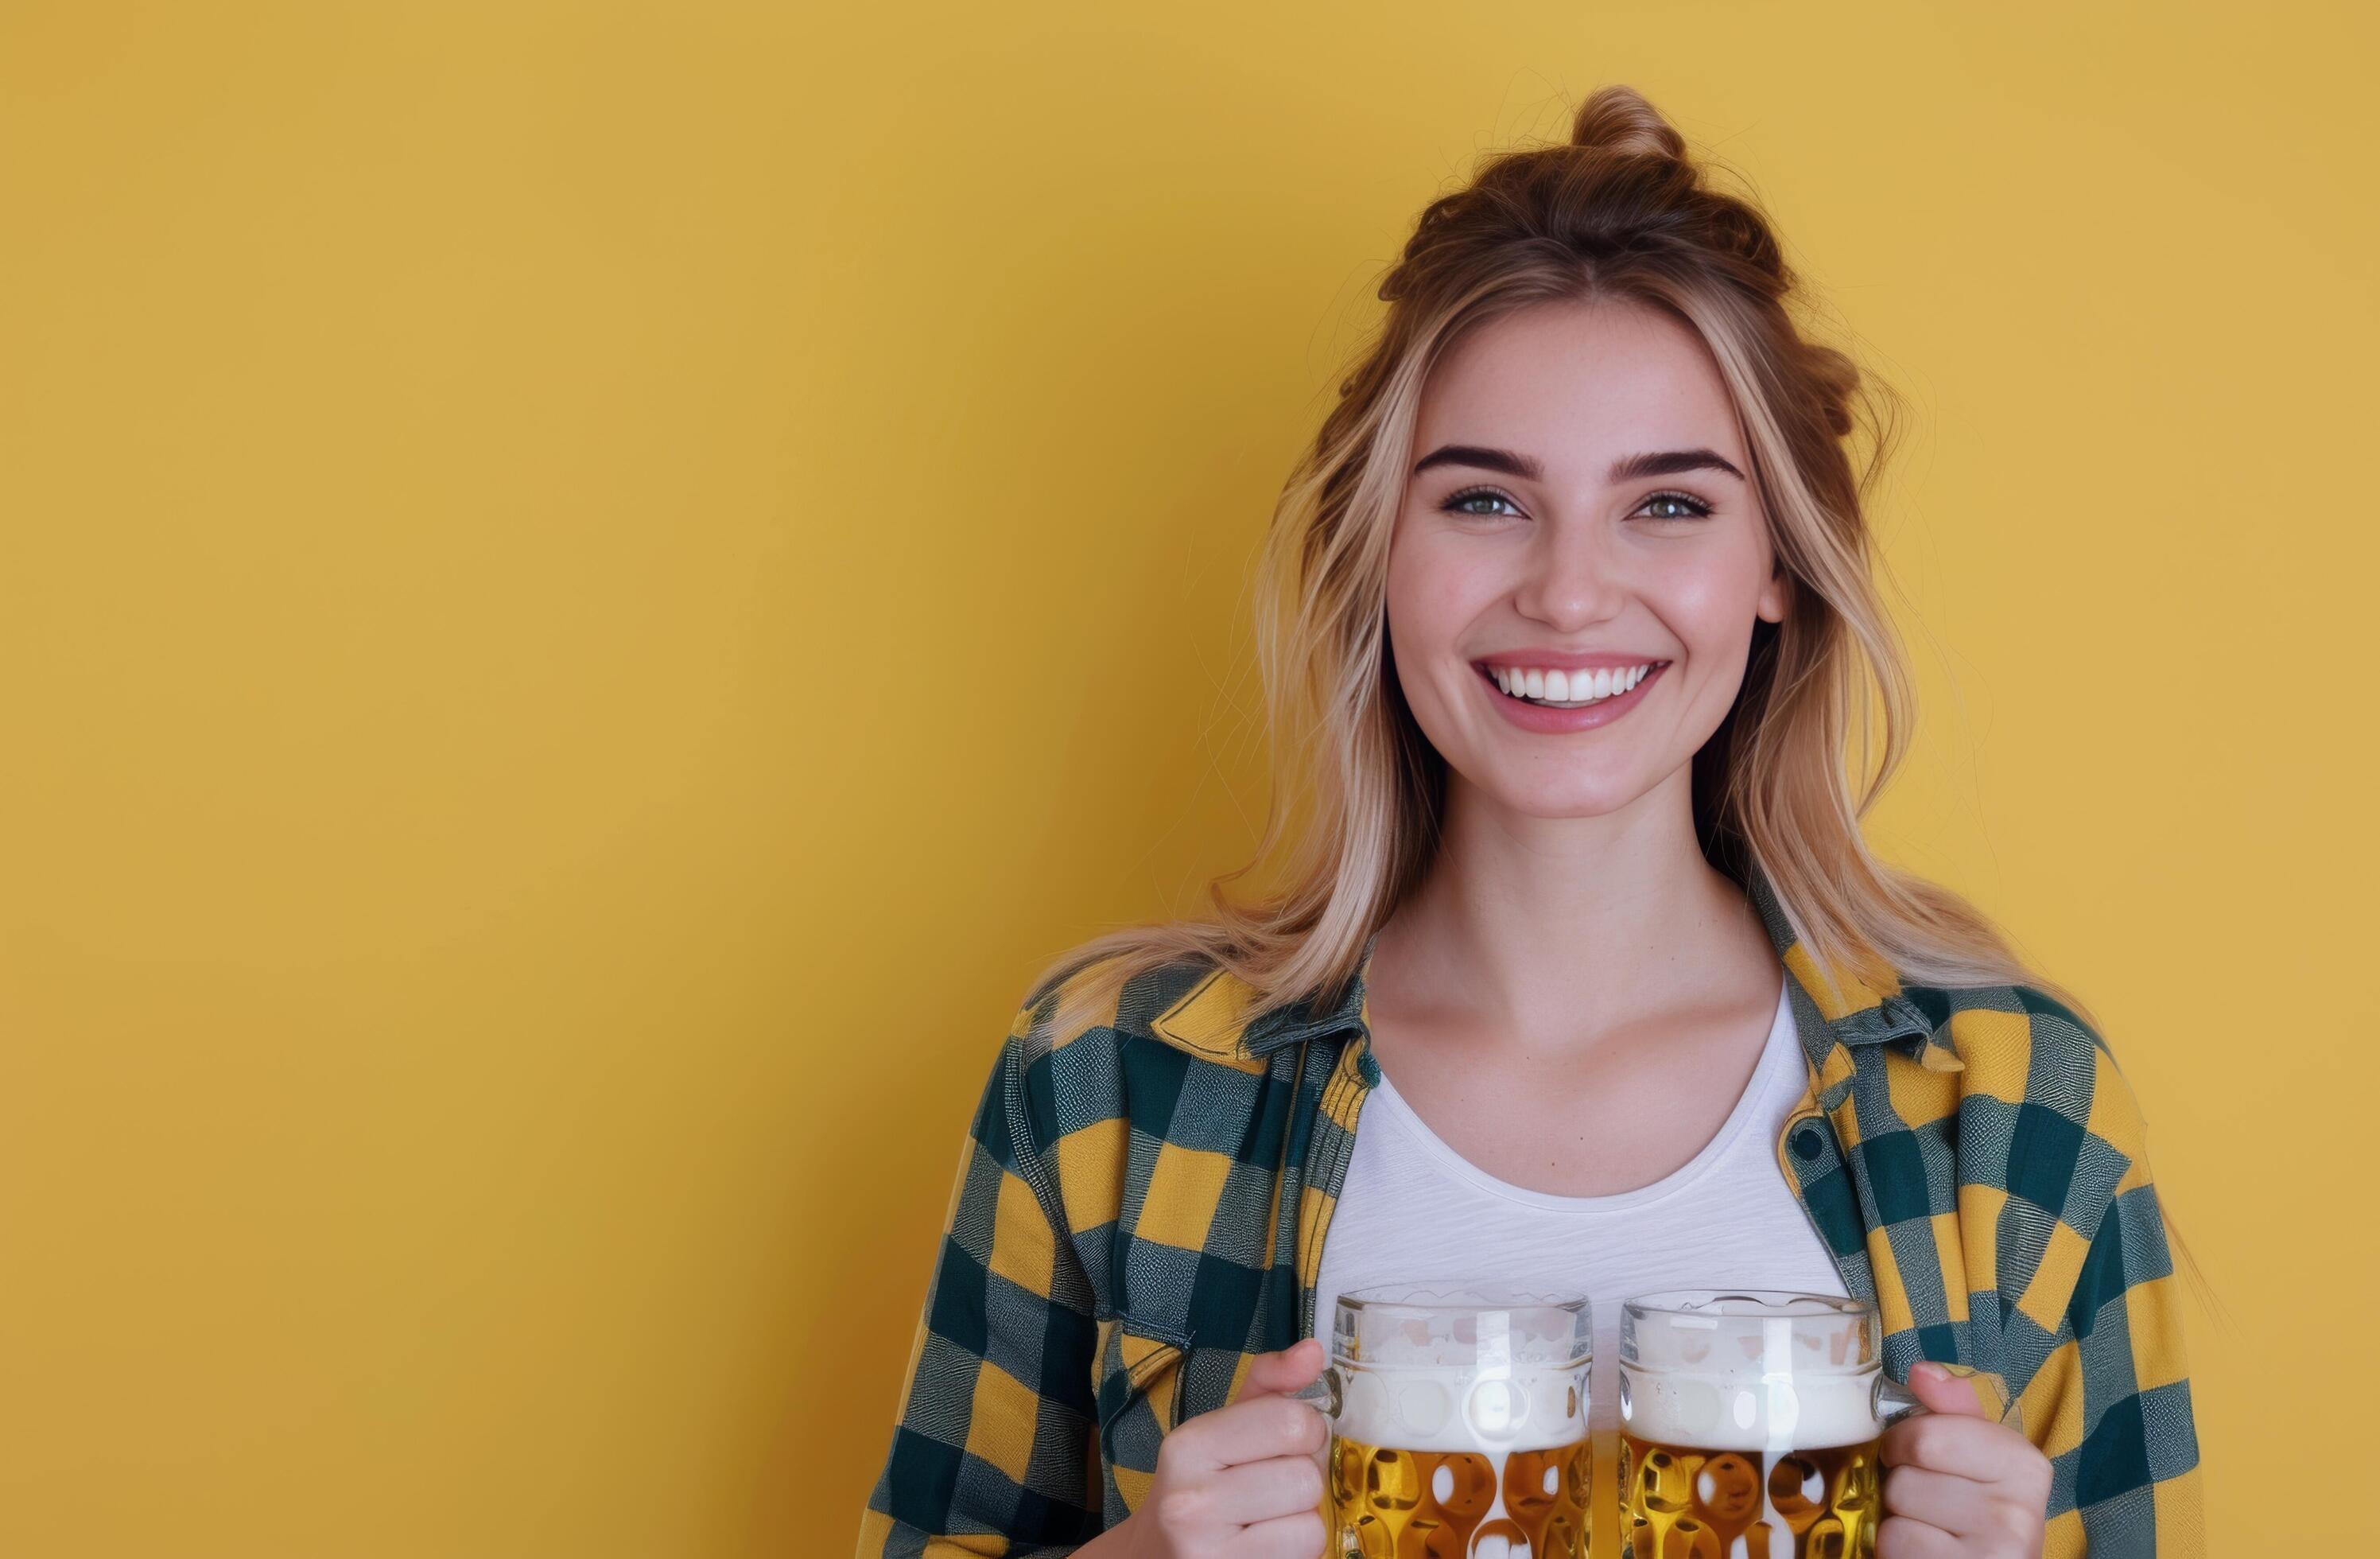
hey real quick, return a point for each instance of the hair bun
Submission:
(1617, 119)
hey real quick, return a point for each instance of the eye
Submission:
(1454, 505)
(1694, 508)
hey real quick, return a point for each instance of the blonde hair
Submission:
(1619, 213)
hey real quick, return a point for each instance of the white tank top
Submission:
(1414, 1208)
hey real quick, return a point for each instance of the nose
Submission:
(1573, 579)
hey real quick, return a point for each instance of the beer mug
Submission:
(1458, 1417)
(1749, 1422)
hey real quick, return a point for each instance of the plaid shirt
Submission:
(1143, 1204)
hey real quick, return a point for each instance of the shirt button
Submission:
(1808, 1143)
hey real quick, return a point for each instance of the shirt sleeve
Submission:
(2110, 1404)
(993, 1453)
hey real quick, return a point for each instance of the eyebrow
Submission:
(1668, 462)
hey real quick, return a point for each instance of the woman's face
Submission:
(1580, 503)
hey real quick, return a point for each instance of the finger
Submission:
(1287, 1370)
(1975, 1448)
(1958, 1505)
(1254, 1491)
(1899, 1537)
(1945, 1393)
(1283, 1537)
(1249, 1429)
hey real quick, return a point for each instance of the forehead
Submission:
(1576, 384)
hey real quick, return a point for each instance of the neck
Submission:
(1527, 924)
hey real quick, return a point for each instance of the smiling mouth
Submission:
(1559, 689)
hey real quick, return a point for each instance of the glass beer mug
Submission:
(1749, 1422)
(1458, 1419)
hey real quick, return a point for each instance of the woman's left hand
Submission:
(1960, 1486)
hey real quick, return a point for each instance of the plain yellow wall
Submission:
(584, 593)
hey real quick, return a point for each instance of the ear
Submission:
(1775, 594)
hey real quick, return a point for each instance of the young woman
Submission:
(1583, 975)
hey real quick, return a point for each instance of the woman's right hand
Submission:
(1241, 1483)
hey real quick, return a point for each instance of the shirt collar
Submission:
(1211, 1017)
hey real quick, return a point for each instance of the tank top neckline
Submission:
(1776, 1052)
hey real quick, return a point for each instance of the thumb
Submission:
(1286, 1371)
(1945, 1392)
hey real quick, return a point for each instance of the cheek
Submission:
(1434, 594)
(1711, 608)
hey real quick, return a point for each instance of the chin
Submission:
(1569, 801)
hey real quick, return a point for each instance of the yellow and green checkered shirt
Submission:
(1143, 1205)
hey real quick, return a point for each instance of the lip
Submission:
(1554, 722)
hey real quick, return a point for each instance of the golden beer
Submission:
(1689, 1502)
(1439, 1505)
(1458, 1419)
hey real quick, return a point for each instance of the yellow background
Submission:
(585, 592)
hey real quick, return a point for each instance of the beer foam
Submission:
(1746, 1412)
(1460, 1407)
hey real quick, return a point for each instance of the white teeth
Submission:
(1570, 688)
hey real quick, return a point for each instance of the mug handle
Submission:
(1323, 1393)
(1893, 1401)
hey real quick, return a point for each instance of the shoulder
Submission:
(1104, 1034)
(2016, 1040)
(1096, 1090)
(1110, 996)
(2046, 1113)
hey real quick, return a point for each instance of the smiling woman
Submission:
(1571, 638)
